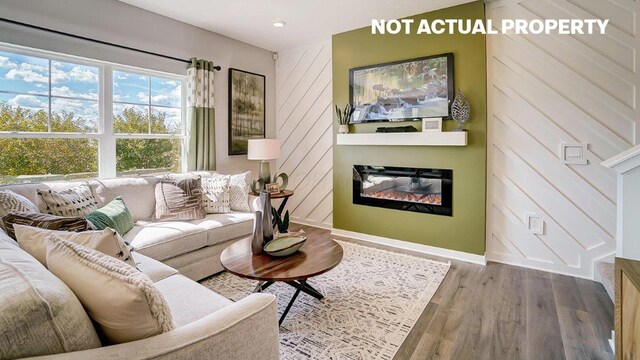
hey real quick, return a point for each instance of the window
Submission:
(64, 118)
(150, 107)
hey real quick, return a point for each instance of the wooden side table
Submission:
(284, 195)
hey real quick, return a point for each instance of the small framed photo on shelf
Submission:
(272, 188)
(431, 124)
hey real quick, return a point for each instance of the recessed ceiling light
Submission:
(279, 23)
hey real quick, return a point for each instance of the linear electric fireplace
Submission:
(411, 189)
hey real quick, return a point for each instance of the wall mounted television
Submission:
(403, 90)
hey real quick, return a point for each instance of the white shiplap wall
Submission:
(304, 127)
(545, 90)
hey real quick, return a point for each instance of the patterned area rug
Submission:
(372, 300)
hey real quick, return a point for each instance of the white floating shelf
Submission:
(445, 138)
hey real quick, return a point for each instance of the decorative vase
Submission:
(285, 180)
(460, 110)
(257, 240)
(267, 217)
(343, 129)
(257, 186)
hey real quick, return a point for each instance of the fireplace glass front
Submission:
(411, 189)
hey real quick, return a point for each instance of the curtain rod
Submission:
(218, 68)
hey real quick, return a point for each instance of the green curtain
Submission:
(201, 152)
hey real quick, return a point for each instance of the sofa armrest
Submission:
(247, 329)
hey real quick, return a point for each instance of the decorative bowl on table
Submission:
(284, 245)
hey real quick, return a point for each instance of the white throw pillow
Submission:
(12, 202)
(216, 195)
(77, 201)
(120, 299)
(107, 241)
(239, 185)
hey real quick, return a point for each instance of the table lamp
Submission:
(264, 150)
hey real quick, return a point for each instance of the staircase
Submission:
(627, 166)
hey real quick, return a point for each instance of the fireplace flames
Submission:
(431, 199)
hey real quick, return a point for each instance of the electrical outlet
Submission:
(534, 223)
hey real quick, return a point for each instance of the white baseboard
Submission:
(312, 223)
(535, 265)
(612, 341)
(424, 249)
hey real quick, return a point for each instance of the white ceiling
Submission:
(307, 21)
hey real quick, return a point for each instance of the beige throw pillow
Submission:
(215, 194)
(120, 299)
(107, 241)
(77, 201)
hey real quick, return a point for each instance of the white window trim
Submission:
(105, 135)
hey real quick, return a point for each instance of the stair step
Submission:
(605, 273)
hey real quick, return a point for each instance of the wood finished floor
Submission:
(506, 312)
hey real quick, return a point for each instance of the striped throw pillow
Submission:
(44, 221)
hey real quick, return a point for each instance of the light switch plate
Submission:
(534, 223)
(574, 154)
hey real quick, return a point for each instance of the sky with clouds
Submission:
(24, 81)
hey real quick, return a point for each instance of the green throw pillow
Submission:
(114, 215)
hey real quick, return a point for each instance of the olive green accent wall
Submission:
(465, 230)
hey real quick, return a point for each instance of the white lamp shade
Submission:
(263, 149)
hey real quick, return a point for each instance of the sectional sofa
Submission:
(34, 304)
(191, 247)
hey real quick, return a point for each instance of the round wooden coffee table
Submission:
(318, 255)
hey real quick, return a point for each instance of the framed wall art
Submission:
(246, 109)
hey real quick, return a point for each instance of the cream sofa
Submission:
(36, 308)
(208, 326)
(191, 247)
